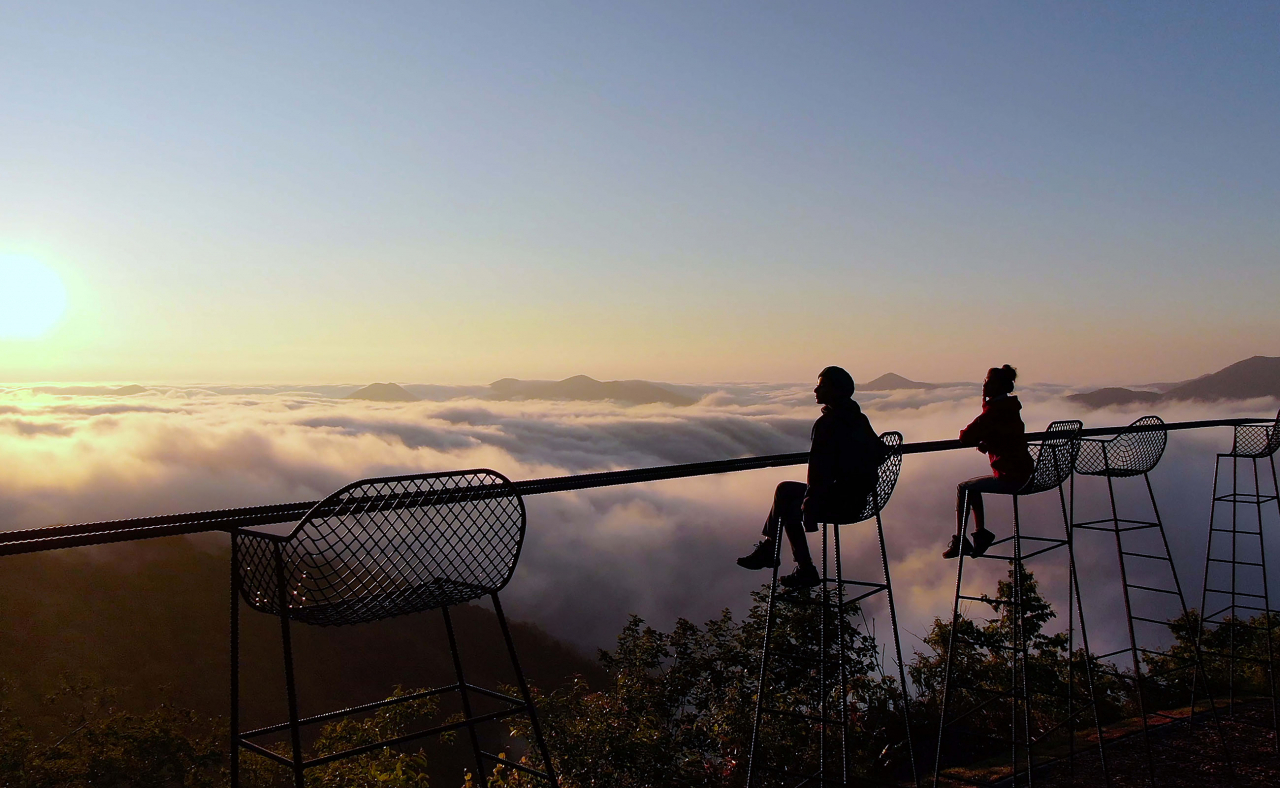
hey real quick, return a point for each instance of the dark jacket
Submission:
(999, 432)
(843, 461)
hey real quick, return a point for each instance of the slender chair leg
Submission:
(951, 650)
(1202, 630)
(752, 771)
(1231, 631)
(824, 652)
(539, 739)
(1019, 653)
(1074, 583)
(1138, 685)
(842, 694)
(465, 695)
(897, 651)
(295, 730)
(1270, 619)
(235, 660)
(1266, 602)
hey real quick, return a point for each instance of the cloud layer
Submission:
(661, 550)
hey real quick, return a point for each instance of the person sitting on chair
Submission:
(843, 461)
(999, 433)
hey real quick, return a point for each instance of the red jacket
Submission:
(1000, 433)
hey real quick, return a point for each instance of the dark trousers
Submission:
(786, 513)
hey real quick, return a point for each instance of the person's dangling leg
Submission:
(959, 542)
(785, 514)
(982, 538)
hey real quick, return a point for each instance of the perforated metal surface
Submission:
(1130, 453)
(887, 476)
(385, 547)
(1257, 440)
(1054, 456)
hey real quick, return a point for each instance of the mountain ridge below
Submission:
(1254, 377)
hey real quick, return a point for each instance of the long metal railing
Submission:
(56, 537)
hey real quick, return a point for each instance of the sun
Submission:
(32, 298)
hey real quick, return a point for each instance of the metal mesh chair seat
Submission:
(1054, 457)
(379, 548)
(886, 479)
(1256, 440)
(385, 547)
(1129, 453)
(429, 596)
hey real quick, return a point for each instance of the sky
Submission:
(453, 193)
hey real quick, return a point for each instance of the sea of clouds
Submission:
(661, 550)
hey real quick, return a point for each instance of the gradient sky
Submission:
(324, 192)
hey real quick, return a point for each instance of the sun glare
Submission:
(32, 298)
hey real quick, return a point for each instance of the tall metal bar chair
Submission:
(826, 668)
(379, 548)
(1055, 457)
(1235, 570)
(1142, 549)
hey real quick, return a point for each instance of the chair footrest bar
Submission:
(1236, 593)
(264, 752)
(1145, 555)
(1236, 562)
(329, 715)
(408, 737)
(1149, 588)
(517, 766)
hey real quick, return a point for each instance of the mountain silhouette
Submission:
(383, 392)
(583, 388)
(1254, 377)
(121, 391)
(1108, 397)
(894, 382)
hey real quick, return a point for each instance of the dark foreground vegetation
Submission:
(662, 708)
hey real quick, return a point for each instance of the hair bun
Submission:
(1010, 371)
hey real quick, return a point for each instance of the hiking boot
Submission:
(762, 557)
(981, 541)
(803, 576)
(958, 544)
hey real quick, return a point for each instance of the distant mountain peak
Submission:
(582, 388)
(891, 381)
(383, 392)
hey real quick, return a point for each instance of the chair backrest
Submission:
(1257, 440)
(1055, 456)
(886, 476)
(1131, 452)
(385, 547)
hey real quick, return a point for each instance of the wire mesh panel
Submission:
(1257, 440)
(1129, 453)
(886, 476)
(1054, 457)
(385, 547)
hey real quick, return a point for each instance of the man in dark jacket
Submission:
(843, 463)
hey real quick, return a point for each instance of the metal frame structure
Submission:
(379, 548)
(1055, 457)
(1132, 453)
(1253, 442)
(831, 718)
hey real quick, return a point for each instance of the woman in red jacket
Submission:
(999, 433)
